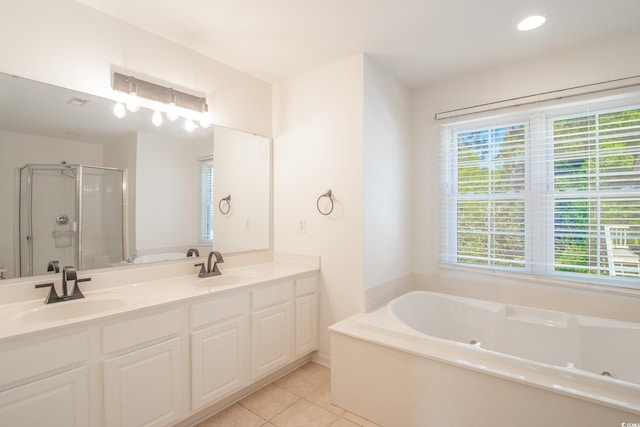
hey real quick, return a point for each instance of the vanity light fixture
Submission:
(531, 22)
(173, 103)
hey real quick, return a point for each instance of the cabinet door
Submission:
(218, 361)
(271, 339)
(58, 400)
(306, 324)
(144, 387)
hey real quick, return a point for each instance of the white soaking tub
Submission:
(434, 359)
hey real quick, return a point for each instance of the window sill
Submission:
(629, 289)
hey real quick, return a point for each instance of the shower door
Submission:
(48, 217)
(101, 217)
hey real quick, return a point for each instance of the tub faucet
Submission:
(193, 252)
(209, 270)
(69, 274)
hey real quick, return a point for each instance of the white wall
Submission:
(598, 62)
(166, 193)
(318, 145)
(68, 44)
(345, 127)
(387, 178)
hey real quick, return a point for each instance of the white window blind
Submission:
(206, 200)
(555, 192)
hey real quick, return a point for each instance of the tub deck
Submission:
(395, 375)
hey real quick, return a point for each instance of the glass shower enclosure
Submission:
(72, 214)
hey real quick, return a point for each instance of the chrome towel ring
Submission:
(328, 195)
(228, 205)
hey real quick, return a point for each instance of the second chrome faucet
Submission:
(210, 270)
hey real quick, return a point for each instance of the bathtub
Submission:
(167, 256)
(429, 359)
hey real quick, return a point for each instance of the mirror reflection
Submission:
(84, 188)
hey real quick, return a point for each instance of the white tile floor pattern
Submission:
(301, 398)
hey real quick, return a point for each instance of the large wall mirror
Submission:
(82, 187)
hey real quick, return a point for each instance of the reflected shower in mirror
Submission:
(132, 192)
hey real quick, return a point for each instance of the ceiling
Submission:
(417, 41)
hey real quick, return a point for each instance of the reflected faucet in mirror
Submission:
(193, 252)
(54, 266)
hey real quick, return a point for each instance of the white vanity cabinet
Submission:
(142, 370)
(271, 328)
(306, 315)
(45, 382)
(219, 348)
(162, 364)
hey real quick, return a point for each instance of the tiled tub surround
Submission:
(169, 350)
(458, 361)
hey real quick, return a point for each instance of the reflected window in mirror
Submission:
(206, 200)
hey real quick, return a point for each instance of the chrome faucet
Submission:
(69, 274)
(193, 252)
(209, 270)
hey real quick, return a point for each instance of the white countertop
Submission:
(23, 311)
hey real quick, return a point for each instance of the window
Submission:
(554, 193)
(206, 200)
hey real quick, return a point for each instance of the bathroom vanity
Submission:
(156, 352)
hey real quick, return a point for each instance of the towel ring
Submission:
(220, 205)
(328, 195)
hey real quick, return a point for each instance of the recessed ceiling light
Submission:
(531, 22)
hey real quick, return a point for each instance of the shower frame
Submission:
(27, 219)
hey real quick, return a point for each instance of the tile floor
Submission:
(299, 399)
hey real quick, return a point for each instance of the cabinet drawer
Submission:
(30, 360)
(219, 309)
(306, 285)
(130, 333)
(274, 294)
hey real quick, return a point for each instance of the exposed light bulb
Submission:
(189, 126)
(133, 103)
(119, 110)
(531, 22)
(156, 119)
(172, 112)
(205, 122)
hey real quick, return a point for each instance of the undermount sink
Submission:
(72, 309)
(224, 280)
